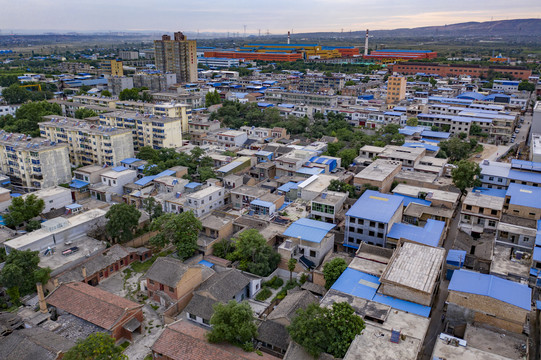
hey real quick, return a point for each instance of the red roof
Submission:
(183, 340)
(89, 303)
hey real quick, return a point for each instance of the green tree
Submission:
(349, 83)
(347, 156)
(455, 149)
(433, 82)
(291, 263)
(106, 93)
(129, 94)
(254, 254)
(8, 80)
(212, 98)
(15, 94)
(233, 322)
(412, 121)
(525, 85)
(123, 219)
(332, 271)
(23, 209)
(21, 271)
(83, 113)
(97, 346)
(205, 173)
(180, 230)
(152, 208)
(340, 186)
(466, 175)
(475, 130)
(33, 225)
(326, 330)
(28, 116)
(146, 97)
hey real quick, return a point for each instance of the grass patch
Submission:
(142, 267)
(274, 283)
(124, 345)
(155, 307)
(283, 292)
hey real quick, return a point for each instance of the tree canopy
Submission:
(456, 149)
(466, 175)
(525, 85)
(22, 210)
(83, 113)
(254, 254)
(332, 271)
(326, 330)
(97, 346)
(28, 116)
(180, 230)
(212, 98)
(123, 219)
(233, 322)
(21, 272)
(152, 208)
(16, 94)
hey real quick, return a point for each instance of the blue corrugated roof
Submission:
(77, 184)
(492, 286)
(129, 161)
(120, 168)
(471, 95)
(436, 134)
(525, 165)
(411, 199)
(231, 166)
(145, 180)
(288, 186)
(166, 173)
(373, 205)
(192, 185)
(491, 192)
(537, 254)
(524, 195)
(429, 235)
(422, 145)
(524, 176)
(310, 171)
(264, 104)
(258, 202)
(309, 230)
(456, 256)
(73, 206)
(364, 286)
(206, 263)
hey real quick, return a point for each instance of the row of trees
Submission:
(135, 94)
(28, 116)
(15, 94)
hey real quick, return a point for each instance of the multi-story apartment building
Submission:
(175, 110)
(205, 200)
(33, 163)
(115, 84)
(128, 55)
(265, 133)
(321, 83)
(396, 89)
(227, 139)
(154, 81)
(481, 212)
(371, 218)
(290, 163)
(148, 130)
(113, 67)
(298, 97)
(89, 144)
(178, 56)
(95, 100)
(327, 205)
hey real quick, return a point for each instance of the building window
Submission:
(468, 207)
(371, 233)
(491, 223)
(171, 289)
(372, 224)
(192, 316)
(151, 281)
(494, 212)
(312, 253)
(206, 322)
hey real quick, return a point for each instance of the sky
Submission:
(276, 16)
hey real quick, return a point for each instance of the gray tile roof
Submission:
(33, 343)
(201, 306)
(273, 333)
(291, 303)
(167, 271)
(223, 286)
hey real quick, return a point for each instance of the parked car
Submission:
(512, 140)
(517, 131)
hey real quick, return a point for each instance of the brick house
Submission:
(169, 280)
(115, 315)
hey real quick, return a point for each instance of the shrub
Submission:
(263, 294)
(274, 283)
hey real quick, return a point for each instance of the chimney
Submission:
(41, 297)
(55, 282)
(83, 270)
(366, 43)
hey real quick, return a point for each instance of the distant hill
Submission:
(500, 28)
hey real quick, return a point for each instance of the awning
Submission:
(309, 264)
(78, 184)
(132, 325)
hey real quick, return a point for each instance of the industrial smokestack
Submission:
(288, 37)
(366, 43)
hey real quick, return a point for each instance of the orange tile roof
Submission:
(89, 303)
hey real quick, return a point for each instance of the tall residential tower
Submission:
(178, 56)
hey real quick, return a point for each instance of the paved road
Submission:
(436, 324)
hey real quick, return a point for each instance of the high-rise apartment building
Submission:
(396, 89)
(177, 56)
(33, 163)
(89, 144)
(113, 67)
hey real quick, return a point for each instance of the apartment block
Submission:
(205, 200)
(147, 130)
(89, 144)
(178, 56)
(154, 82)
(113, 67)
(396, 89)
(33, 163)
(115, 84)
(174, 110)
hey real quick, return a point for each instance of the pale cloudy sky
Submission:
(277, 16)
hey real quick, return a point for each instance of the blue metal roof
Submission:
(456, 257)
(288, 186)
(288, 106)
(229, 167)
(491, 192)
(429, 235)
(73, 206)
(537, 254)
(471, 95)
(422, 145)
(120, 168)
(524, 176)
(77, 184)
(309, 230)
(373, 205)
(145, 180)
(411, 199)
(262, 203)
(524, 195)
(436, 134)
(192, 185)
(365, 286)
(525, 165)
(492, 286)
(206, 263)
(264, 104)
(129, 161)
(310, 171)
